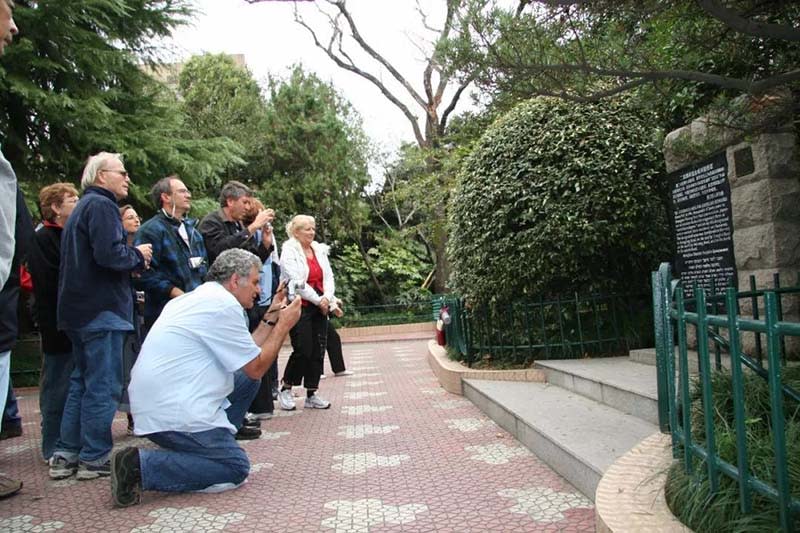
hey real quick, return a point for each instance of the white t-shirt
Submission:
(184, 371)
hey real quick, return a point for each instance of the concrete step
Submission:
(614, 381)
(579, 438)
(647, 356)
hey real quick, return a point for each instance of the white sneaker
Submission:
(315, 402)
(286, 400)
(259, 416)
(344, 373)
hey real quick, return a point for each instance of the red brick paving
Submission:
(426, 460)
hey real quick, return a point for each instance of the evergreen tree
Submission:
(74, 84)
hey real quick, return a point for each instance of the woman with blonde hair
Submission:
(305, 268)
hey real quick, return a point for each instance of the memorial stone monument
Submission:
(710, 161)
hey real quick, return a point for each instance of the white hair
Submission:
(94, 165)
(297, 221)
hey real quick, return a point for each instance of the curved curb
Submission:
(397, 331)
(630, 495)
(451, 373)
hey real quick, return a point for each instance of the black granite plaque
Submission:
(703, 224)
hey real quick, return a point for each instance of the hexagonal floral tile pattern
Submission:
(395, 453)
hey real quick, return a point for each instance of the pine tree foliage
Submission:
(74, 84)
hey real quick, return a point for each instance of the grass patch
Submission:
(688, 493)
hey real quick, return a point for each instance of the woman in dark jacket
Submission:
(133, 341)
(56, 203)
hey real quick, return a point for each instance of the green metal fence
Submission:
(553, 328)
(382, 315)
(712, 317)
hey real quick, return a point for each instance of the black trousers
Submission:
(262, 403)
(335, 355)
(308, 336)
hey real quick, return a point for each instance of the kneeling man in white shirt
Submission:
(197, 372)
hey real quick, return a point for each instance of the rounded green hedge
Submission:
(559, 197)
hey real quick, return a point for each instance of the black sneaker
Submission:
(87, 471)
(126, 477)
(11, 431)
(251, 422)
(248, 433)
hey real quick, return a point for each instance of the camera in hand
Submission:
(292, 286)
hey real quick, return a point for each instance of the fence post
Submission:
(754, 305)
(776, 409)
(685, 396)
(735, 349)
(705, 387)
(564, 342)
(659, 311)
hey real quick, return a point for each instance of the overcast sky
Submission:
(271, 42)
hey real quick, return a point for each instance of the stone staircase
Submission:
(587, 414)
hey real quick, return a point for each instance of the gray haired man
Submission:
(95, 309)
(214, 369)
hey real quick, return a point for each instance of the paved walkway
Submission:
(394, 453)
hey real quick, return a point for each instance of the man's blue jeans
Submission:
(5, 378)
(53, 390)
(210, 460)
(11, 412)
(94, 392)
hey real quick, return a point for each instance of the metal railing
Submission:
(384, 315)
(553, 328)
(675, 400)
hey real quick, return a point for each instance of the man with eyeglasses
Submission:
(179, 263)
(224, 230)
(95, 308)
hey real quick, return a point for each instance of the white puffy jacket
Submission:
(295, 267)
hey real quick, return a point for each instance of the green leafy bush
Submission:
(559, 197)
(397, 265)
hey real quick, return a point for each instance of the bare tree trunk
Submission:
(430, 100)
(368, 264)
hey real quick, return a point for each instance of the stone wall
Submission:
(764, 175)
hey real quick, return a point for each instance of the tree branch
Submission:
(452, 105)
(733, 20)
(349, 66)
(340, 5)
(726, 82)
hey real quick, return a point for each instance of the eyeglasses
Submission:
(123, 173)
(132, 217)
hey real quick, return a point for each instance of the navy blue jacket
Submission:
(96, 263)
(169, 266)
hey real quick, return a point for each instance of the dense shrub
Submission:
(559, 197)
(396, 264)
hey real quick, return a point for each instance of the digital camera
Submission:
(292, 286)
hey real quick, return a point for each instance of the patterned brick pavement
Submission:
(394, 453)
